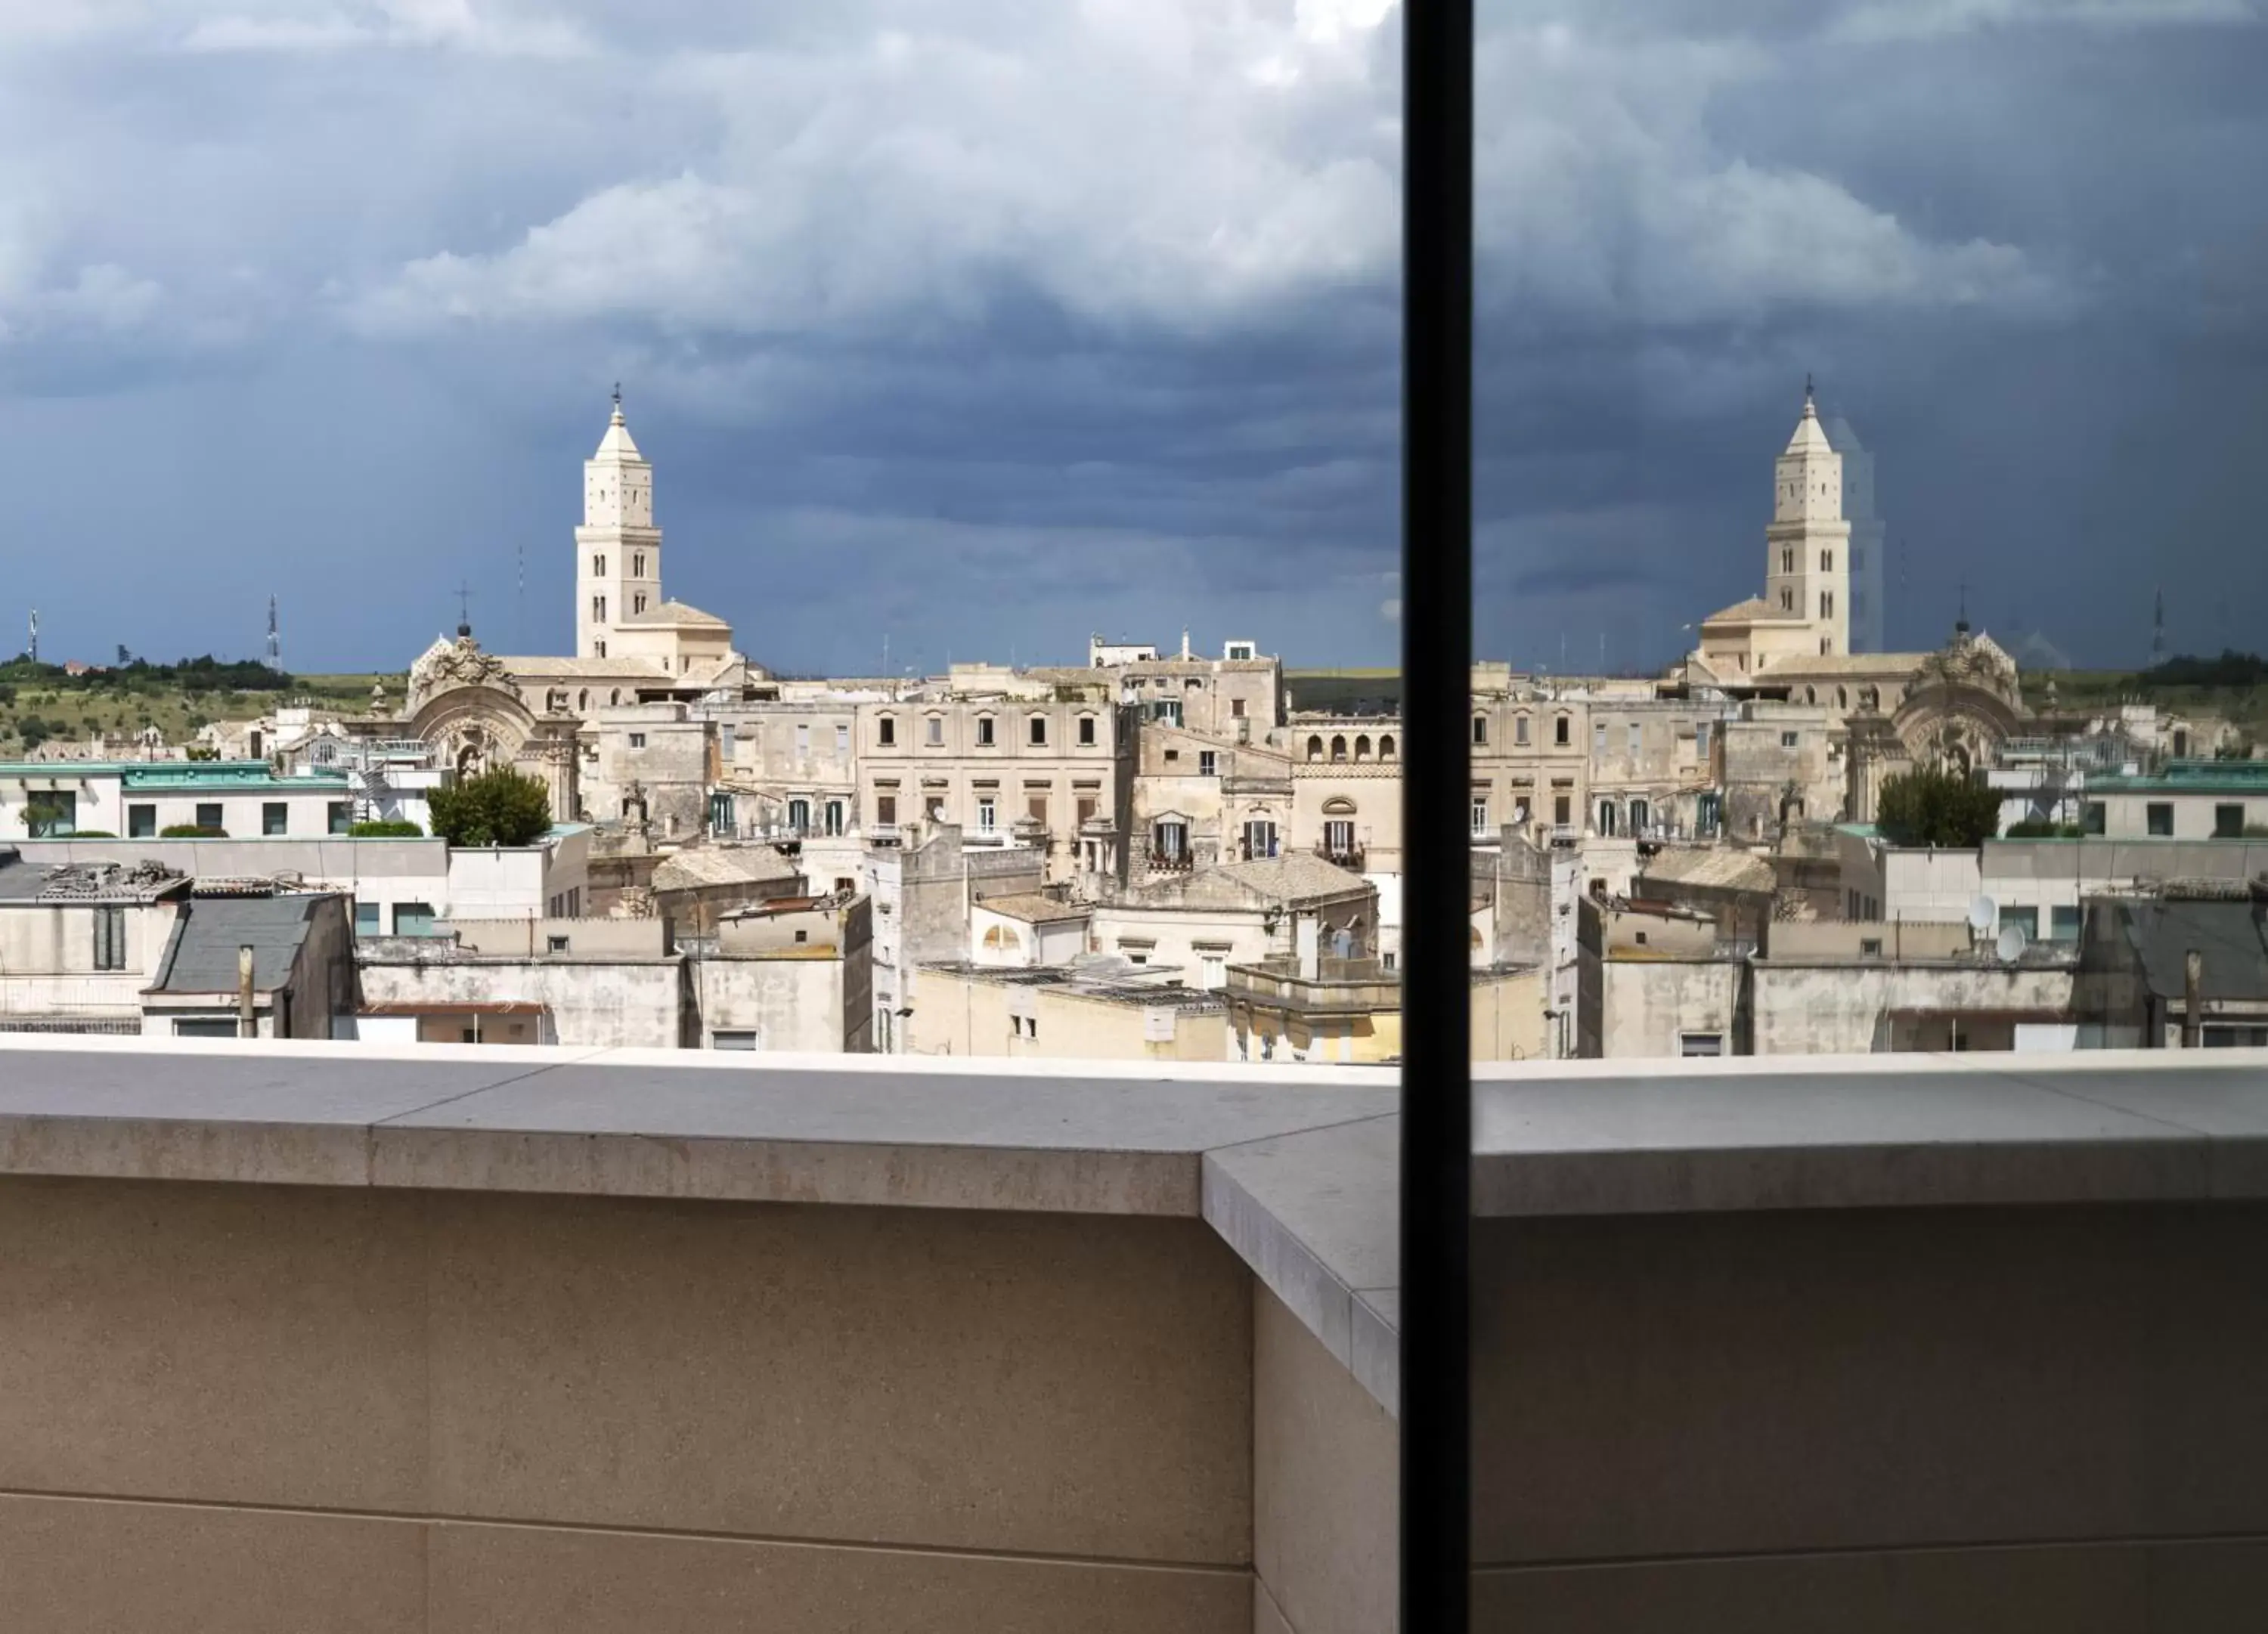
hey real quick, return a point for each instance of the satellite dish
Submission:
(2010, 947)
(1981, 913)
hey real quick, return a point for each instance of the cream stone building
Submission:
(1003, 758)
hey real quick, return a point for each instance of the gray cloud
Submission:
(995, 326)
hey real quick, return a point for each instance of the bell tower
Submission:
(617, 548)
(1807, 545)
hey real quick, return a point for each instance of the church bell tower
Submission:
(617, 548)
(1807, 545)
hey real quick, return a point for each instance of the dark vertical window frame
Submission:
(1437, 641)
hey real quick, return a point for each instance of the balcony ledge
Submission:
(1293, 1166)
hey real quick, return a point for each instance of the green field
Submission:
(176, 700)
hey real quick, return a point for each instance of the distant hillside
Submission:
(39, 702)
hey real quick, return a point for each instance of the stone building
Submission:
(1052, 766)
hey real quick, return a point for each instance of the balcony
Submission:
(1181, 863)
(1347, 856)
(333, 1336)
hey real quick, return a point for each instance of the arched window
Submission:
(1386, 747)
(1811, 694)
(582, 699)
(1362, 746)
(616, 696)
(1314, 749)
(1842, 697)
(1338, 748)
(1639, 812)
(1607, 817)
(1339, 806)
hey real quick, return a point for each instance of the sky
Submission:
(962, 331)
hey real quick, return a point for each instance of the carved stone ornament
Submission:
(459, 663)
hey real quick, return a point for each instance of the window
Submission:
(886, 731)
(1207, 762)
(1169, 839)
(1827, 604)
(732, 1039)
(1519, 730)
(834, 817)
(1338, 837)
(1314, 749)
(1239, 652)
(598, 567)
(2024, 919)
(637, 564)
(843, 739)
(1386, 747)
(1083, 806)
(1338, 748)
(413, 918)
(637, 739)
(638, 602)
(1827, 561)
(1259, 837)
(1599, 738)
(368, 921)
(1562, 809)
(798, 816)
(1701, 739)
(983, 732)
(141, 822)
(886, 809)
(1236, 708)
(1637, 736)
(1167, 710)
(1700, 1043)
(275, 817)
(110, 938)
(985, 808)
(1480, 813)
(803, 740)
(1172, 755)
(1212, 971)
(1480, 729)
(1035, 807)
(936, 734)
(204, 1026)
(1039, 727)
(209, 816)
(1562, 732)
(1870, 947)
(2228, 821)
(1789, 740)
(51, 813)
(2063, 924)
(1787, 560)
(1786, 599)
(2094, 817)
(2159, 815)
(555, 943)
(1087, 731)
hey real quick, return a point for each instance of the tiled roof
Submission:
(723, 865)
(1034, 909)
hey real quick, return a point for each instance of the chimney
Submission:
(247, 1025)
(2193, 1000)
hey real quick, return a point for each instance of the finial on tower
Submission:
(464, 612)
(618, 403)
(1810, 407)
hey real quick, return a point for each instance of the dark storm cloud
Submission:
(985, 331)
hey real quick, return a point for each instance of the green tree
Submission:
(1932, 806)
(497, 807)
(34, 732)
